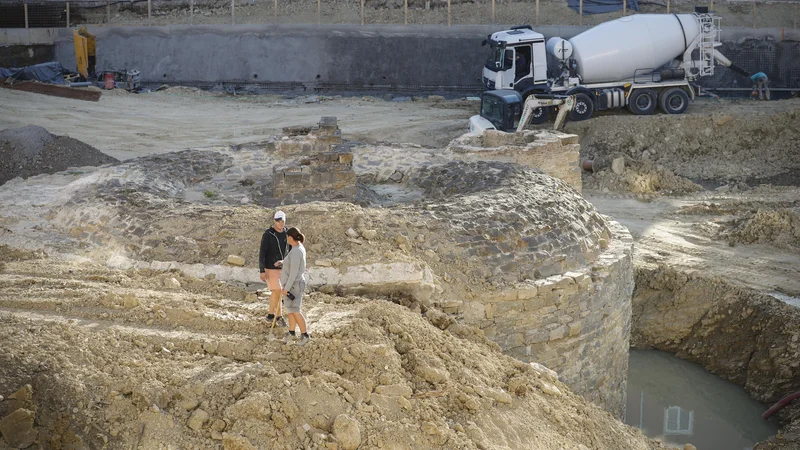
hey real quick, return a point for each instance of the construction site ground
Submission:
(734, 149)
(712, 191)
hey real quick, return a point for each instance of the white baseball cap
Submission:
(280, 215)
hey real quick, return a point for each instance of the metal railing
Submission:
(59, 13)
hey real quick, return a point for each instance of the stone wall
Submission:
(321, 167)
(554, 153)
(577, 323)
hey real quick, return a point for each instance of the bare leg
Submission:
(274, 283)
(292, 322)
(300, 319)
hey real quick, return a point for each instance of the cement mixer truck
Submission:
(642, 62)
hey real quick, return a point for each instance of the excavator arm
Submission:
(565, 105)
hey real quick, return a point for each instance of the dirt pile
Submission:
(127, 358)
(748, 222)
(717, 141)
(31, 150)
(638, 177)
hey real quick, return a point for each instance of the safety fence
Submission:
(54, 14)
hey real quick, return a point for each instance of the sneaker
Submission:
(281, 322)
(288, 338)
(304, 340)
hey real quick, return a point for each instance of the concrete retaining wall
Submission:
(25, 55)
(577, 323)
(330, 57)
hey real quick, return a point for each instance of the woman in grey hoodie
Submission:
(293, 280)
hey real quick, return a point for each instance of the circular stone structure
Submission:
(530, 262)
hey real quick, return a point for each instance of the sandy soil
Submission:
(125, 125)
(733, 13)
(689, 234)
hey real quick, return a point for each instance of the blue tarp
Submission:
(51, 72)
(602, 6)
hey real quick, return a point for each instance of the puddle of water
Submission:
(679, 402)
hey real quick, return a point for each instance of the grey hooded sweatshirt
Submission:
(294, 268)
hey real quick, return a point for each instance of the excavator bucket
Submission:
(569, 103)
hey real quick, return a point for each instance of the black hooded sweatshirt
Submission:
(273, 248)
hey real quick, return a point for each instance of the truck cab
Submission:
(516, 60)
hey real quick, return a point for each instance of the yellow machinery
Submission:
(85, 55)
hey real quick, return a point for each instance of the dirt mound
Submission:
(640, 177)
(132, 359)
(31, 150)
(716, 140)
(777, 227)
(749, 222)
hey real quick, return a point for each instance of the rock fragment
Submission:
(347, 432)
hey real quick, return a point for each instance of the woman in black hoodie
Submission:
(270, 260)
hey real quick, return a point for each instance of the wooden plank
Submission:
(53, 90)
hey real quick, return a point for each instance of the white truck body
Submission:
(640, 61)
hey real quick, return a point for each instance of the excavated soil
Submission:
(31, 150)
(717, 142)
(121, 359)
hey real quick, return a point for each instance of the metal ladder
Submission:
(710, 29)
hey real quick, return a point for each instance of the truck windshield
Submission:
(495, 56)
(492, 110)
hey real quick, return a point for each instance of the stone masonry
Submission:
(577, 323)
(321, 167)
(554, 153)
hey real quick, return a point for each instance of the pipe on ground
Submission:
(780, 405)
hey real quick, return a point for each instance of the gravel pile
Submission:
(32, 150)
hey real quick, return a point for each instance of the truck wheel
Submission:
(540, 115)
(674, 101)
(643, 102)
(583, 109)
